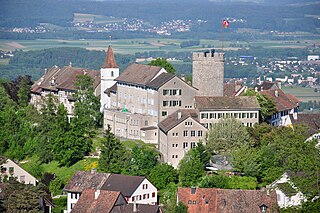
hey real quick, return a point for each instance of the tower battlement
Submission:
(208, 55)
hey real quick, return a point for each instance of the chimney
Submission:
(96, 194)
(93, 171)
(256, 89)
(183, 77)
(261, 89)
(279, 84)
(179, 116)
(135, 209)
(276, 93)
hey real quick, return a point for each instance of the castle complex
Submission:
(147, 103)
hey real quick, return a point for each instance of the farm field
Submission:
(302, 93)
(131, 46)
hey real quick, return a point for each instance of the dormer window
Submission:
(263, 208)
(112, 74)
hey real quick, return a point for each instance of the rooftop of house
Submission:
(266, 85)
(142, 208)
(312, 121)
(93, 201)
(139, 74)
(286, 188)
(124, 183)
(110, 61)
(63, 79)
(216, 200)
(82, 180)
(227, 103)
(281, 100)
(160, 80)
(176, 118)
(231, 89)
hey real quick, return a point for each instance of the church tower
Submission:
(109, 71)
(208, 73)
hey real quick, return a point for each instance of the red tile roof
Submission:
(281, 100)
(63, 78)
(231, 89)
(215, 200)
(312, 121)
(82, 180)
(104, 203)
(226, 103)
(110, 61)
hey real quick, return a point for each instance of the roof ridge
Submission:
(110, 61)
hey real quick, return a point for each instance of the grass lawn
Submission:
(64, 173)
(130, 144)
(302, 93)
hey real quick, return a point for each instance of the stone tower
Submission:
(208, 73)
(109, 71)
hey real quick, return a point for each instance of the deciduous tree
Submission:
(162, 62)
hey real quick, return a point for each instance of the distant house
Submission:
(233, 89)
(80, 181)
(216, 200)
(180, 132)
(286, 104)
(11, 169)
(60, 83)
(287, 193)
(134, 189)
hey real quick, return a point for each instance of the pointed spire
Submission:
(110, 62)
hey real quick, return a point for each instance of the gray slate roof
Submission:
(82, 180)
(127, 185)
(227, 103)
(139, 74)
(172, 120)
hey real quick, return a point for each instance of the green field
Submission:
(302, 93)
(131, 46)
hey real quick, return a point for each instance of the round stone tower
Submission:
(208, 72)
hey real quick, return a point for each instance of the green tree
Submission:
(143, 160)
(24, 93)
(163, 174)
(162, 62)
(87, 106)
(268, 108)
(56, 186)
(226, 136)
(191, 167)
(113, 157)
(214, 181)
(180, 208)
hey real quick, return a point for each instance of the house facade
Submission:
(134, 189)
(11, 169)
(287, 193)
(180, 132)
(143, 96)
(213, 109)
(60, 83)
(286, 104)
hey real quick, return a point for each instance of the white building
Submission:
(11, 169)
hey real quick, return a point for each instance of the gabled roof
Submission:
(312, 121)
(103, 204)
(216, 200)
(63, 78)
(266, 85)
(176, 118)
(231, 89)
(160, 80)
(82, 180)
(126, 184)
(281, 100)
(112, 89)
(139, 74)
(227, 103)
(110, 61)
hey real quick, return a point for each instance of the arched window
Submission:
(112, 74)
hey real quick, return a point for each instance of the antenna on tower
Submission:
(110, 38)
